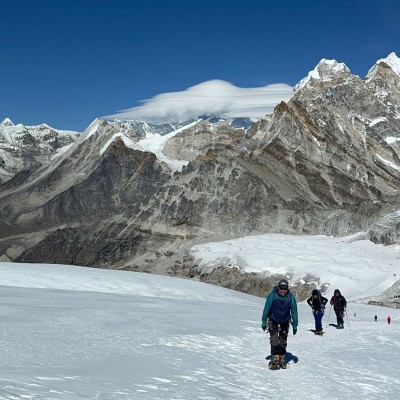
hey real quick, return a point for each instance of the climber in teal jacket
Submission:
(280, 309)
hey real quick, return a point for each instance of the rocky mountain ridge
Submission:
(117, 196)
(29, 147)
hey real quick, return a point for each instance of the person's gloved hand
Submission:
(294, 330)
(264, 325)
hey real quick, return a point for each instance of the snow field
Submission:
(66, 344)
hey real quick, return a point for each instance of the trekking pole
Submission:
(347, 316)
(329, 315)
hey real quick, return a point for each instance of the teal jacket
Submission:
(280, 308)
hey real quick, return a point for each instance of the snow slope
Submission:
(71, 333)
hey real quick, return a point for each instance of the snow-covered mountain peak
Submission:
(326, 70)
(28, 147)
(7, 122)
(92, 128)
(393, 61)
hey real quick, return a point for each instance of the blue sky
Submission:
(66, 63)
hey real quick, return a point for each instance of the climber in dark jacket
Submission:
(317, 303)
(339, 306)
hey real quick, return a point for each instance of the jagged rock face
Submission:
(336, 150)
(85, 184)
(28, 147)
(188, 144)
(110, 242)
(136, 130)
(383, 80)
(386, 230)
(326, 162)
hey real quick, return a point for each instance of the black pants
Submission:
(278, 334)
(339, 316)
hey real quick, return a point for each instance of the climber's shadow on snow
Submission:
(291, 357)
(288, 357)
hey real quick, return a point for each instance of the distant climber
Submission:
(317, 303)
(339, 305)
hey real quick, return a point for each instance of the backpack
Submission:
(321, 303)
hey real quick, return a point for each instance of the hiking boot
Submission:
(275, 362)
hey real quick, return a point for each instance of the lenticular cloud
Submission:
(211, 97)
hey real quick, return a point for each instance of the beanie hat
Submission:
(283, 284)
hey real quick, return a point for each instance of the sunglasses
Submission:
(283, 288)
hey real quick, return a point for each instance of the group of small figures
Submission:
(280, 310)
(388, 319)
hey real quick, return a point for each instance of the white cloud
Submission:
(211, 97)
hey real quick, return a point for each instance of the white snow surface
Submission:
(388, 163)
(71, 332)
(377, 121)
(153, 143)
(391, 140)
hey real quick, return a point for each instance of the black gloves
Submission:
(264, 326)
